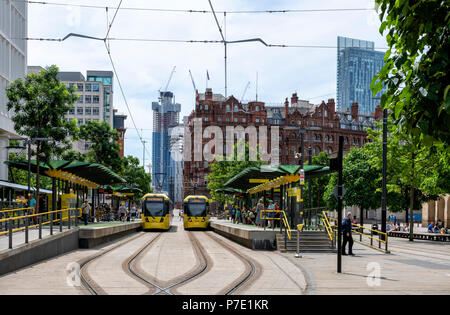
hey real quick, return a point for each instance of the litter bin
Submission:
(375, 227)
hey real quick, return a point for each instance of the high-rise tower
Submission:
(165, 115)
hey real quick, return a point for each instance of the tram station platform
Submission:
(249, 236)
(50, 245)
(94, 234)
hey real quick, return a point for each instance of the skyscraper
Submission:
(13, 65)
(357, 64)
(165, 115)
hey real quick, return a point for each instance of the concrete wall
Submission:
(435, 211)
(38, 250)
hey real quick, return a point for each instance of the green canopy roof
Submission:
(93, 172)
(242, 180)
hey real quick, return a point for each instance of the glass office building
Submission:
(357, 64)
(165, 116)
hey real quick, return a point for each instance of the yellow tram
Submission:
(156, 212)
(196, 212)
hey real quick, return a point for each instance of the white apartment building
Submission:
(13, 65)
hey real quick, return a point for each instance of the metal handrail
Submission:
(327, 225)
(370, 236)
(283, 218)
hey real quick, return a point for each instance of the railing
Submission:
(327, 225)
(38, 221)
(282, 218)
(11, 213)
(359, 229)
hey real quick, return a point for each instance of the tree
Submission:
(104, 146)
(134, 174)
(40, 103)
(223, 170)
(318, 185)
(360, 182)
(416, 67)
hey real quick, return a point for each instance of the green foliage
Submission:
(40, 103)
(134, 174)
(319, 184)
(104, 148)
(223, 170)
(416, 67)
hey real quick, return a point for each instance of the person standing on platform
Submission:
(85, 210)
(259, 208)
(347, 231)
(270, 214)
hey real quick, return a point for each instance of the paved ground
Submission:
(420, 267)
(33, 234)
(411, 268)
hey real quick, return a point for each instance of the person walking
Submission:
(122, 212)
(347, 231)
(85, 210)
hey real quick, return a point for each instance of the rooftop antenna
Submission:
(245, 90)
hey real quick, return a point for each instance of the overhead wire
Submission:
(90, 6)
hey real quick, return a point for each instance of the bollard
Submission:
(371, 238)
(26, 229)
(51, 223)
(40, 227)
(10, 232)
(298, 255)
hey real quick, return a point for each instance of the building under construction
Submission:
(166, 115)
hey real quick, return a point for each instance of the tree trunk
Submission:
(411, 201)
(361, 214)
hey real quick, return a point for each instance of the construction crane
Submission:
(245, 91)
(192, 79)
(170, 78)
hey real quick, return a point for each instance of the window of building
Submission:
(206, 118)
(95, 87)
(236, 108)
(80, 87)
(88, 87)
(95, 111)
(257, 120)
(80, 121)
(312, 123)
(326, 113)
(235, 119)
(228, 119)
(79, 110)
(201, 107)
(87, 111)
(219, 119)
(257, 108)
(80, 99)
(72, 111)
(206, 107)
(244, 120)
(228, 108)
(95, 99)
(87, 99)
(71, 85)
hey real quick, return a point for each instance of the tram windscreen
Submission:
(196, 208)
(155, 207)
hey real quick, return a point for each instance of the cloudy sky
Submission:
(144, 67)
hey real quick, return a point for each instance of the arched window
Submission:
(228, 108)
(326, 113)
(235, 108)
(257, 108)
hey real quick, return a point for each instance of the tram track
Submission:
(86, 281)
(251, 273)
(421, 252)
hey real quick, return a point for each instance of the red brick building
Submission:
(322, 123)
